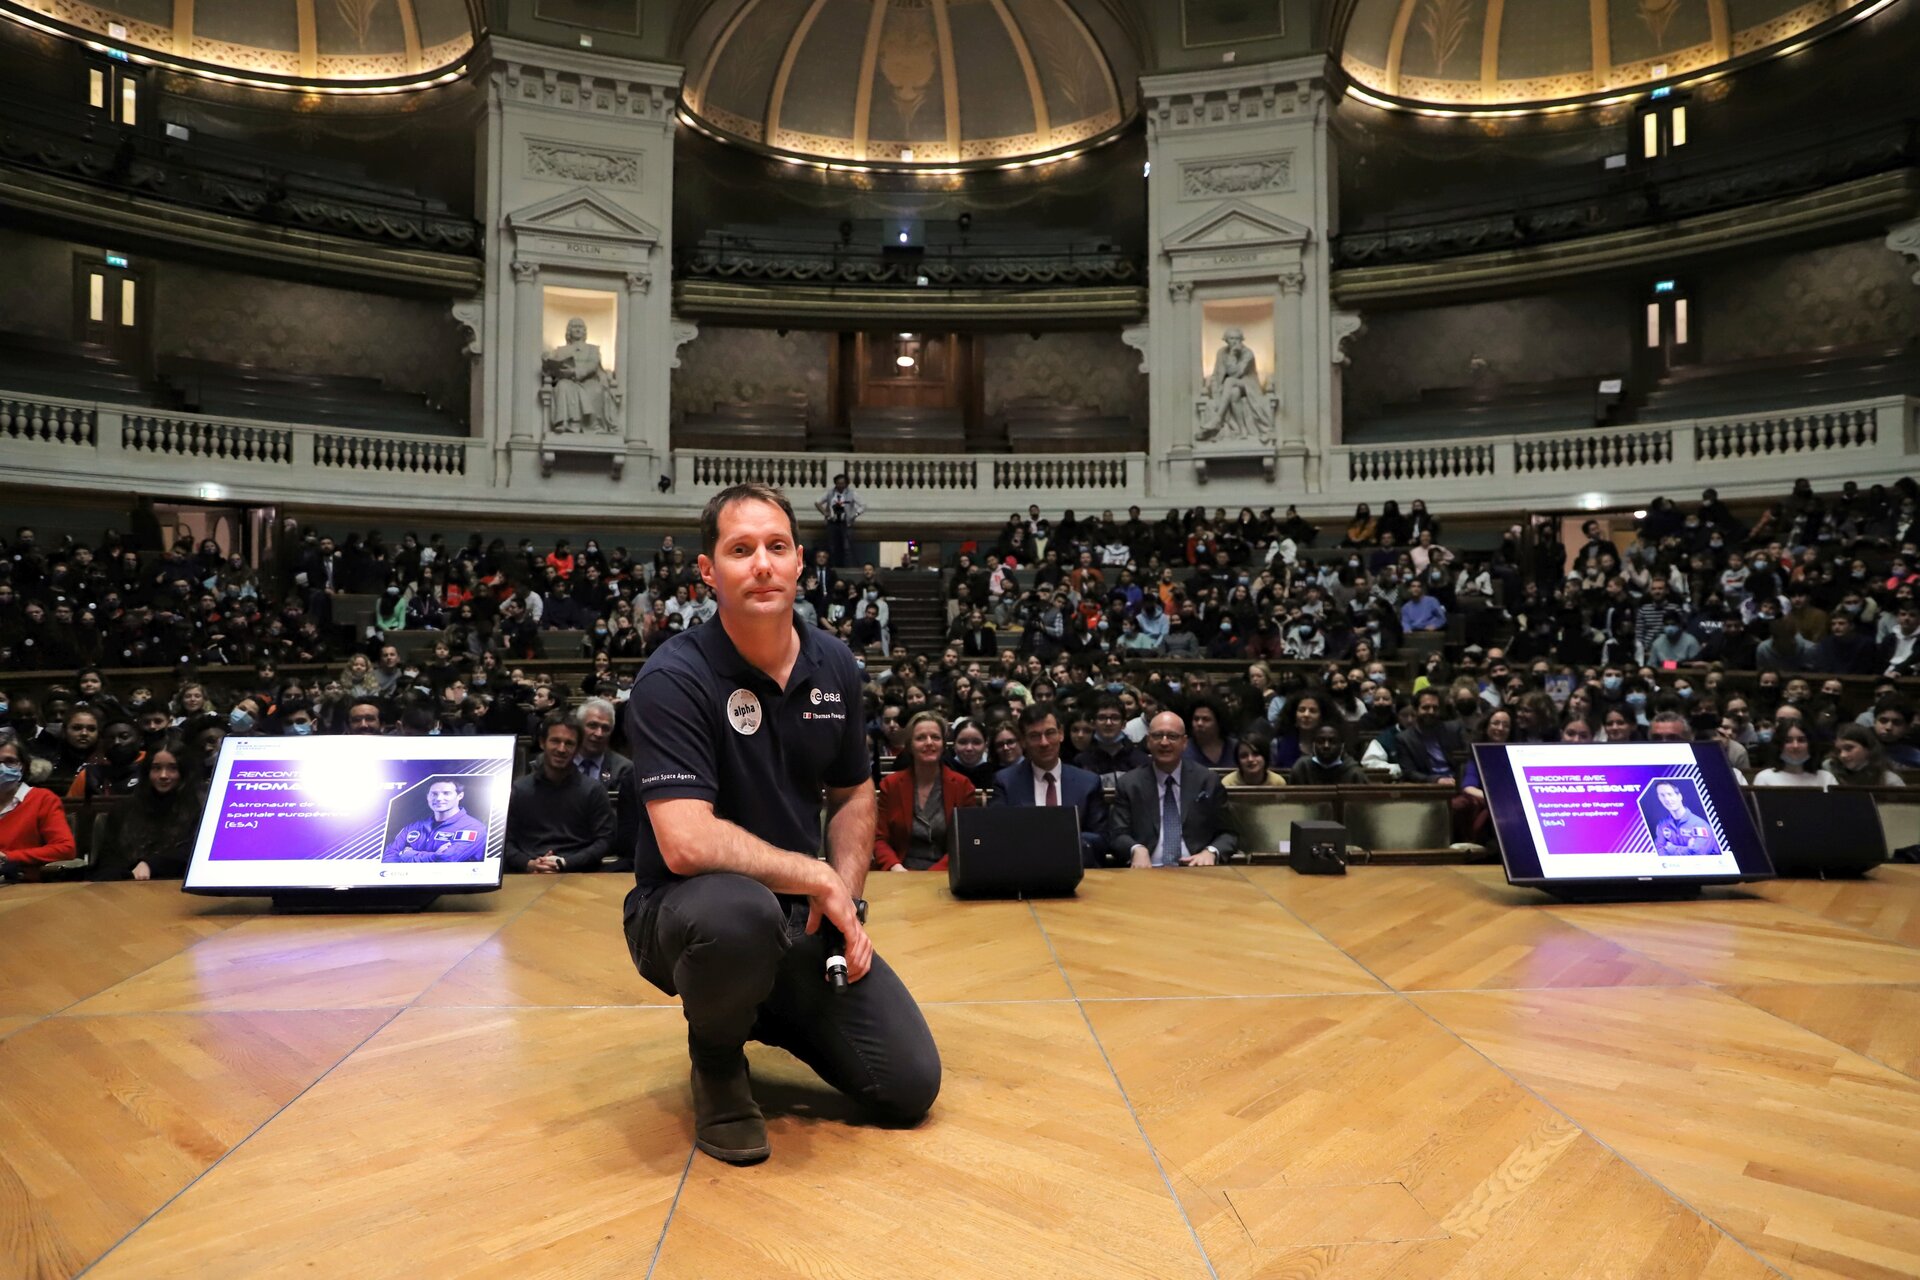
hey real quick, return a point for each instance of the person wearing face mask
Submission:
(245, 718)
(33, 825)
(297, 720)
(1675, 644)
(117, 770)
(150, 835)
(1111, 751)
(1796, 767)
(1859, 760)
(1326, 764)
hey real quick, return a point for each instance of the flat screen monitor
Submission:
(1594, 817)
(390, 821)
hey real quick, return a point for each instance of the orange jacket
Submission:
(35, 830)
(893, 831)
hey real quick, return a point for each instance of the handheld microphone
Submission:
(837, 947)
(836, 956)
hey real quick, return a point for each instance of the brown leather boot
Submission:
(727, 1123)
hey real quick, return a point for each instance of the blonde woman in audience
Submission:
(1796, 767)
(917, 802)
(358, 677)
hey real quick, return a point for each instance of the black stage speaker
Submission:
(1819, 834)
(1002, 852)
(1316, 848)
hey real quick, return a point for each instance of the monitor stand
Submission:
(335, 902)
(1624, 891)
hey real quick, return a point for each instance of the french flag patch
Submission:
(466, 837)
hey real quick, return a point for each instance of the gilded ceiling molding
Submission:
(950, 77)
(1397, 44)
(785, 73)
(309, 38)
(1099, 55)
(1602, 43)
(1721, 27)
(720, 47)
(183, 28)
(863, 87)
(1041, 126)
(1490, 47)
(410, 32)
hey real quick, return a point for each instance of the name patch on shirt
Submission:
(743, 712)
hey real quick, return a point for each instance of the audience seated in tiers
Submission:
(1172, 811)
(558, 819)
(1761, 633)
(150, 835)
(1042, 778)
(1326, 763)
(597, 760)
(33, 825)
(917, 801)
(1425, 751)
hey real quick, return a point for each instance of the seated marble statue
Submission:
(578, 389)
(1236, 407)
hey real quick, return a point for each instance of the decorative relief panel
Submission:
(1252, 175)
(561, 162)
(1840, 296)
(409, 344)
(1096, 371)
(753, 366)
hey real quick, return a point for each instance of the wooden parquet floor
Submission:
(1235, 1073)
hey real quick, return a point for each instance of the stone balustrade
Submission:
(70, 444)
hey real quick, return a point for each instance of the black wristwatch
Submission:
(860, 910)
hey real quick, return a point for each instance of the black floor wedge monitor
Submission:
(1014, 853)
(1823, 835)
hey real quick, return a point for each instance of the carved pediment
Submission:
(584, 212)
(1236, 225)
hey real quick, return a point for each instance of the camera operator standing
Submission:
(841, 507)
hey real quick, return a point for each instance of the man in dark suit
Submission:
(1172, 812)
(1044, 779)
(1425, 751)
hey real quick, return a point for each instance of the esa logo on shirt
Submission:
(743, 712)
(820, 695)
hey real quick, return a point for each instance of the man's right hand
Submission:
(1142, 856)
(832, 901)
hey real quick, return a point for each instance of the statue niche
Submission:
(1235, 407)
(579, 395)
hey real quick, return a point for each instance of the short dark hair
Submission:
(557, 720)
(1034, 713)
(750, 491)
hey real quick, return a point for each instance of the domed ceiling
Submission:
(909, 82)
(302, 41)
(1486, 52)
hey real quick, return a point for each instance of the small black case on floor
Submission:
(1317, 848)
(1003, 852)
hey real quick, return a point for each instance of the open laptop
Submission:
(1832, 834)
(1001, 852)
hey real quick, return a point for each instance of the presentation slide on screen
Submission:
(1609, 810)
(362, 812)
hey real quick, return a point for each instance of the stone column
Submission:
(523, 375)
(640, 379)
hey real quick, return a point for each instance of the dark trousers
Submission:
(745, 969)
(839, 543)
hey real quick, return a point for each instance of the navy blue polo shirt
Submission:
(706, 724)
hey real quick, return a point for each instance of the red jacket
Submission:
(35, 830)
(893, 831)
